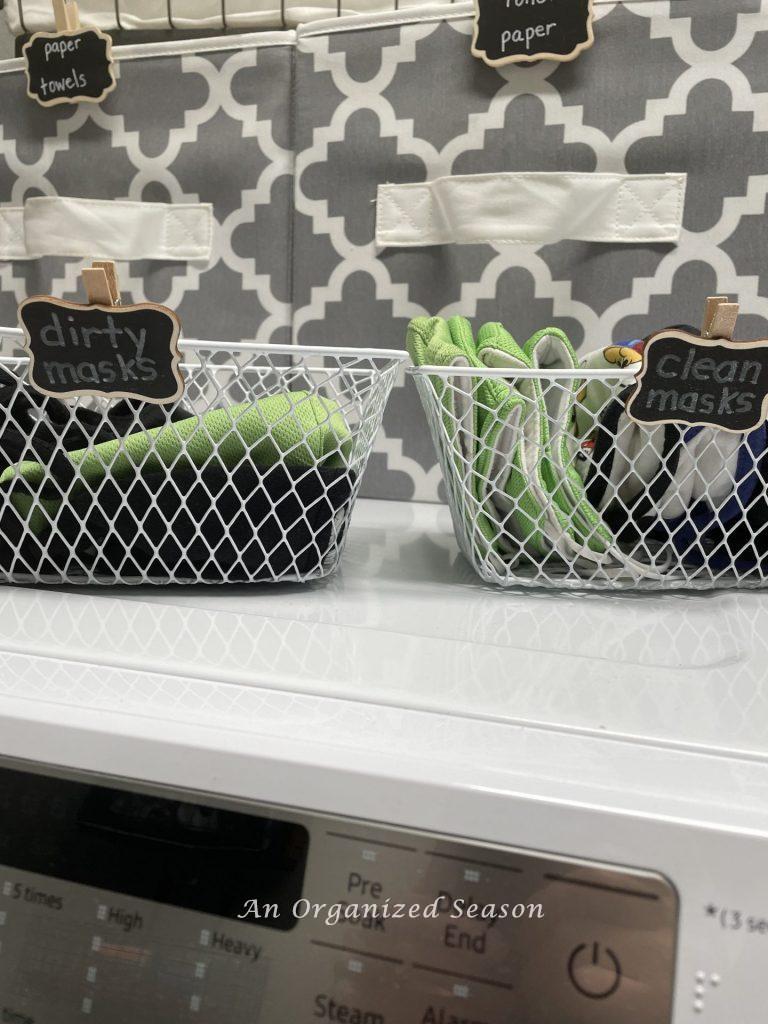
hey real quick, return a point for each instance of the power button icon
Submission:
(594, 970)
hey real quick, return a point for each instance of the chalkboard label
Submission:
(511, 31)
(69, 67)
(110, 351)
(702, 382)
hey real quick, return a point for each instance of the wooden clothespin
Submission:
(720, 318)
(101, 285)
(67, 15)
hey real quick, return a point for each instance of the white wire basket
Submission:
(551, 484)
(251, 476)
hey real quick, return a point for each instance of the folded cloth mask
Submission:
(479, 416)
(528, 497)
(550, 448)
(243, 492)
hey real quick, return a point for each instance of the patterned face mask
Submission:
(686, 489)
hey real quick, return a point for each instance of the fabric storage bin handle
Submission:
(531, 208)
(112, 229)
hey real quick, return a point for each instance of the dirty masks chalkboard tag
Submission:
(72, 64)
(697, 380)
(102, 348)
(511, 31)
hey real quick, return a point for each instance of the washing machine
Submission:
(394, 797)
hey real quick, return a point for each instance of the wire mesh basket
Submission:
(251, 476)
(550, 483)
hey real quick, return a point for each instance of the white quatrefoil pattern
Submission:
(288, 135)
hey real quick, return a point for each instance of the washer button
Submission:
(594, 970)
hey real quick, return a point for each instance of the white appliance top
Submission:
(653, 704)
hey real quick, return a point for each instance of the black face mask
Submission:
(255, 522)
(36, 426)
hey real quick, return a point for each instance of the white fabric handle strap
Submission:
(535, 208)
(106, 228)
(13, 245)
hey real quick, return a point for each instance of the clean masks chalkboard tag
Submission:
(72, 64)
(511, 31)
(700, 380)
(103, 348)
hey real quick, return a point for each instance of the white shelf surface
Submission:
(407, 664)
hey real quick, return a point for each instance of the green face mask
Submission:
(572, 526)
(478, 418)
(514, 445)
(295, 428)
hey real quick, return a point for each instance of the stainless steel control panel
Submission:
(121, 904)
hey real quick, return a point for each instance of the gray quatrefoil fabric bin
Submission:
(206, 133)
(344, 172)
